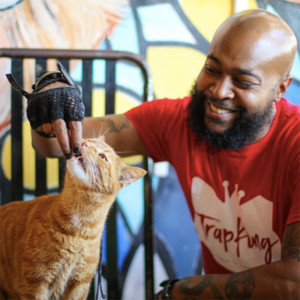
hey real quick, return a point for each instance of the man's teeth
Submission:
(219, 110)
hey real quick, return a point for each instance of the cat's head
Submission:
(100, 169)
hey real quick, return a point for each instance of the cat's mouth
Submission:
(81, 161)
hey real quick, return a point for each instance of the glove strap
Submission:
(67, 77)
(15, 85)
(45, 79)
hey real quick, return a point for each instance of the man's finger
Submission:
(75, 128)
(61, 132)
(47, 128)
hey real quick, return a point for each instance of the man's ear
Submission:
(284, 84)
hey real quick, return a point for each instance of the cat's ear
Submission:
(130, 174)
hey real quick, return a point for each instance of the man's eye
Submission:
(211, 70)
(243, 84)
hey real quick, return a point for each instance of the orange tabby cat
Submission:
(49, 246)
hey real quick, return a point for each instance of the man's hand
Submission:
(55, 108)
(68, 133)
(68, 137)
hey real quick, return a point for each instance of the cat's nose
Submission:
(84, 144)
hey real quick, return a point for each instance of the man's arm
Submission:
(278, 280)
(119, 132)
(47, 120)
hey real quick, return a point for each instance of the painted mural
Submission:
(173, 36)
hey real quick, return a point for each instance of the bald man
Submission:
(235, 145)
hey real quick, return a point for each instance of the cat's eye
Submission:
(103, 156)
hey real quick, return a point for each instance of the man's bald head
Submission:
(267, 35)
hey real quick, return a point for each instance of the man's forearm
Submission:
(233, 286)
(117, 129)
(271, 281)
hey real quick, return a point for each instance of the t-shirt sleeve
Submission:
(158, 124)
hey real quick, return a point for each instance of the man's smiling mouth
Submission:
(221, 110)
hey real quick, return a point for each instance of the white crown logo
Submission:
(240, 236)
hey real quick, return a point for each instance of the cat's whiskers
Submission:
(102, 133)
(82, 162)
(94, 170)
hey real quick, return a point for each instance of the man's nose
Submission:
(222, 88)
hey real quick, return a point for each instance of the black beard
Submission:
(243, 131)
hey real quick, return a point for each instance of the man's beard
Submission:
(243, 131)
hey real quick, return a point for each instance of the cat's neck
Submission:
(81, 207)
(85, 201)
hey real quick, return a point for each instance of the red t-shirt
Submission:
(240, 201)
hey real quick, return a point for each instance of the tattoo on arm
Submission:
(199, 288)
(240, 285)
(114, 126)
(291, 242)
(216, 292)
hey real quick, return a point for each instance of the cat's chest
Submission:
(78, 255)
(76, 221)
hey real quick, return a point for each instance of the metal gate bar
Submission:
(17, 190)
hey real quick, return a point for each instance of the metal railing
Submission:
(14, 190)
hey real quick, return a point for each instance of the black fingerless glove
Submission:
(58, 103)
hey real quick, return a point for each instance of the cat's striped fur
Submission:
(49, 246)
